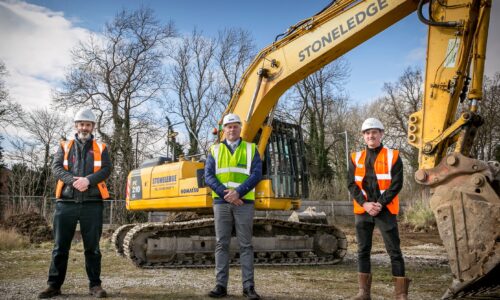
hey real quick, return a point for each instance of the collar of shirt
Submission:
(375, 150)
(233, 145)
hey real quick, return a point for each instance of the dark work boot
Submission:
(98, 292)
(49, 292)
(218, 292)
(250, 293)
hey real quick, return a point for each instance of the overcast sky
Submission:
(36, 38)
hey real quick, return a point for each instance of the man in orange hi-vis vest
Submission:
(375, 178)
(81, 166)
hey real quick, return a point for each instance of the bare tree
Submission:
(119, 74)
(233, 55)
(3, 99)
(318, 98)
(8, 108)
(3, 89)
(44, 129)
(401, 99)
(25, 178)
(192, 81)
(487, 143)
(342, 134)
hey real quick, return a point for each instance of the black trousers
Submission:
(388, 226)
(66, 216)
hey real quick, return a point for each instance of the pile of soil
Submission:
(32, 225)
(407, 227)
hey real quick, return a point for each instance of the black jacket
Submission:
(81, 164)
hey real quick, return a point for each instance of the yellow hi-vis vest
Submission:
(98, 148)
(383, 164)
(233, 169)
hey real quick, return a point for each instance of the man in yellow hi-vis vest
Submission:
(375, 178)
(81, 165)
(232, 171)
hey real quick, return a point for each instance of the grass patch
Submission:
(419, 216)
(12, 240)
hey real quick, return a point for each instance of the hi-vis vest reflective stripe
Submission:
(382, 166)
(233, 169)
(98, 148)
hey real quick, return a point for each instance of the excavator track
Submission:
(484, 293)
(118, 237)
(487, 287)
(191, 244)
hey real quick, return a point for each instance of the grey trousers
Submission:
(241, 217)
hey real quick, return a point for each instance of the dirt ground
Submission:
(23, 274)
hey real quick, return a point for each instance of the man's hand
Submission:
(372, 208)
(233, 197)
(81, 183)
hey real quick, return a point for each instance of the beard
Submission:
(84, 136)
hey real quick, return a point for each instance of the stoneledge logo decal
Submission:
(165, 179)
(371, 10)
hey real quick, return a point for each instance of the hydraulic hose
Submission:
(431, 21)
(292, 29)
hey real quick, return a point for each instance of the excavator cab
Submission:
(284, 161)
(285, 165)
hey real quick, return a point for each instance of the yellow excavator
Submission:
(464, 191)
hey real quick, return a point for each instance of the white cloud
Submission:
(35, 46)
(29, 91)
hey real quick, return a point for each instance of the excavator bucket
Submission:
(466, 205)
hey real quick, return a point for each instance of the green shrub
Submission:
(419, 216)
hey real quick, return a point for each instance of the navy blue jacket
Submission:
(244, 188)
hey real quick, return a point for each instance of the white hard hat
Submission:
(230, 118)
(84, 115)
(372, 123)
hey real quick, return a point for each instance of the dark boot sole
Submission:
(217, 296)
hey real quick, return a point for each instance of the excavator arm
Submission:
(465, 191)
(455, 53)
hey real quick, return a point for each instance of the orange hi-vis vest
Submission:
(98, 148)
(382, 166)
